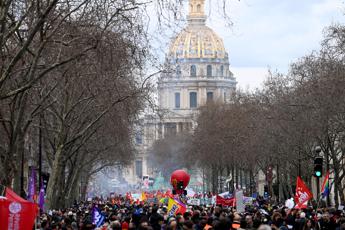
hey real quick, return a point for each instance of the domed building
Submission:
(197, 67)
(196, 71)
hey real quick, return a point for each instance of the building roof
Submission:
(197, 40)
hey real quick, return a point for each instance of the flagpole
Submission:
(317, 186)
(327, 170)
(22, 193)
(40, 151)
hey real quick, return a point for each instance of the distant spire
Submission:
(196, 14)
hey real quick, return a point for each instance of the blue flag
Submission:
(97, 217)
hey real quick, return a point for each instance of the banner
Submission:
(248, 200)
(194, 201)
(41, 197)
(239, 201)
(98, 218)
(175, 207)
(190, 193)
(225, 201)
(32, 185)
(303, 194)
(16, 213)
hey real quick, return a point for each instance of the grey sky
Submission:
(271, 33)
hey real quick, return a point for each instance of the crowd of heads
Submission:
(124, 215)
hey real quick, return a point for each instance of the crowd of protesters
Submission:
(143, 216)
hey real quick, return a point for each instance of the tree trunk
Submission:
(336, 185)
(17, 161)
(60, 189)
(341, 194)
(251, 182)
(54, 180)
(71, 186)
(84, 182)
(288, 179)
(74, 193)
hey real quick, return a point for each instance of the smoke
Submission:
(170, 154)
(106, 182)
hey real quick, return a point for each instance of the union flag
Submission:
(303, 194)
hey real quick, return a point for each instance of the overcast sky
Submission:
(272, 33)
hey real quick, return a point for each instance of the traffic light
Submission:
(318, 166)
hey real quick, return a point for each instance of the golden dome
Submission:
(197, 40)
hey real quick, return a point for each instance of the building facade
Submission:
(197, 70)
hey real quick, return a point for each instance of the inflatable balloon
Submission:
(179, 180)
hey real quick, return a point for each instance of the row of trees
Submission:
(277, 127)
(71, 85)
(72, 82)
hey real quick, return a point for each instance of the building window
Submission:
(139, 168)
(177, 100)
(209, 96)
(222, 71)
(138, 138)
(193, 102)
(193, 71)
(209, 71)
(178, 71)
(198, 8)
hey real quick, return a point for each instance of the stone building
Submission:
(197, 70)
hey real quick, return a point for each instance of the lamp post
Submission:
(40, 152)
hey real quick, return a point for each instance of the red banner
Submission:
(303, 194)
(225, 202)
(17, 213)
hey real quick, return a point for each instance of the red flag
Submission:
(17, 213)
(129, 196)
(168, 194)
(12, 196)
(303, 194)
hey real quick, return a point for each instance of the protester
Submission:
(121, 213)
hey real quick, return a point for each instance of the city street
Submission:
(172, 115)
